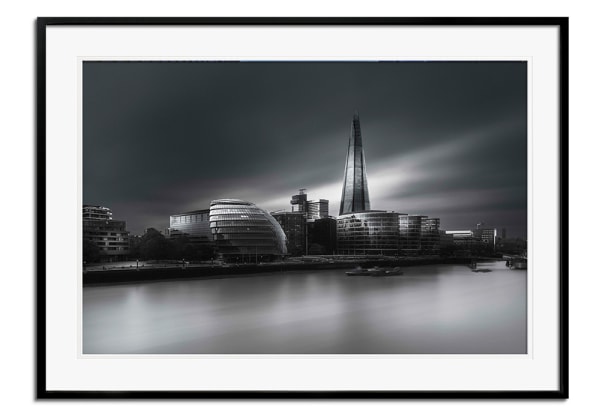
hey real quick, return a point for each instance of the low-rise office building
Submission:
(478, 241)
(318, 209)
(294, 226)
(430, 236)
(409, 232)
(110, 236)
(368, 233)
(322, 236)
(487, 236)
(419, 235)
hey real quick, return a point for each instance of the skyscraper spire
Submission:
(355, 193)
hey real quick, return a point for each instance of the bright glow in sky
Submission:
(443, 139)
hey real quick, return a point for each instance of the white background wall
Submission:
(17, 139)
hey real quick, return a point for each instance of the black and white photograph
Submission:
(304, 207)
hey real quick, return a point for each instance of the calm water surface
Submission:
(430, 309)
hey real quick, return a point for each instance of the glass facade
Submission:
(430, 236)
(294, 227)
(419, 235)
(244, 232)
(410, 234)
(368, 233)
(355, 193)
(321, 236)
(194, 224)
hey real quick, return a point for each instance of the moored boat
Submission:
(394, 272)
(517, 262)
(374, 272)
(358, 271)
(520, 264)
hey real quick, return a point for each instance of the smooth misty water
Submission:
(430, 309)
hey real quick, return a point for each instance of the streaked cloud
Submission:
(444, 139)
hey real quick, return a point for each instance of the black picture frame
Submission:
(42, 391)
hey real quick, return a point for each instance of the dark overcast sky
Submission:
(443, 139)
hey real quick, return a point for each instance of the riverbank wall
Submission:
(123, 276)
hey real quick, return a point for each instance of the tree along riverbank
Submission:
(182, 272)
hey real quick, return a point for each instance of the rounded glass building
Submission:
(368, 233)
(245, 233)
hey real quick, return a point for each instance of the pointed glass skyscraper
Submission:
(355, 194)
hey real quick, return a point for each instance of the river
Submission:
(436, 309)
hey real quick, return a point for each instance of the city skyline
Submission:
(445, 139)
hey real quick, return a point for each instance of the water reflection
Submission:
(431, 309)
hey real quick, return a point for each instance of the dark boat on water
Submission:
(518, 264)
(474, 268)
(358, 271)
(374, 272)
